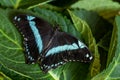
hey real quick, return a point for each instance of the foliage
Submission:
(95, 22)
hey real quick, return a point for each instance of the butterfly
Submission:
(48, 46)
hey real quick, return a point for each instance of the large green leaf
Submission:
(112, 72)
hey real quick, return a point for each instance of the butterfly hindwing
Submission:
(64, 48)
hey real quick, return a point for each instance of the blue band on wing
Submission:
(58, 49)
(81, 45)
(36, 33)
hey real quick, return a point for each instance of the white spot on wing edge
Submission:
(17, 18)
(91, 58)
(87, 55)
(25, 39)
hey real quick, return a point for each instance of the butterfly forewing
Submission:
(31, 50)
(36, 33)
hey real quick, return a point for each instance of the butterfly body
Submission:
(49, 46)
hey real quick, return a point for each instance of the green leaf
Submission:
(112, 71)
(8, 3)
(4, 77)
(98, 25)
(23, 3)
(84, 29)
(106, 8)
(113, 45)
(31, 4)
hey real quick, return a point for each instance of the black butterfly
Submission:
(47, 45)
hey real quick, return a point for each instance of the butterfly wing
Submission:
(36, 33)
(64, 48)
(51, 47)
